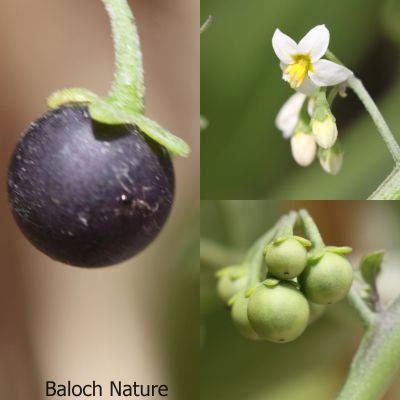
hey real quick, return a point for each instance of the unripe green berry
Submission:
(230, 284)
(278, 314)
(240, 319)
(286, 259)
(326, 280)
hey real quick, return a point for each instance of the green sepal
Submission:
(104, 112)
(232, 300)
(70, 96)
(305, 242)
(371, 266)
(108, 113)
(315, 255)
(271, 282)
(279, 240)
(339, 250)
(234, 271)
(250, 291)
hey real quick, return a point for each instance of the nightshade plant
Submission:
(306, 117)
(268, 304)
(91, 182)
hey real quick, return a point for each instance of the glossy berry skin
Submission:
(287, 259)
(278, 314)
(240, 318)
(89, 194)
(328, 280)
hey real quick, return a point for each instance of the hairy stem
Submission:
(127, 90)
(376, 116)
(377, 360)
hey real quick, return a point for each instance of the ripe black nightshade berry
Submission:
(89, 194)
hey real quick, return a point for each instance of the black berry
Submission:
(86, 193)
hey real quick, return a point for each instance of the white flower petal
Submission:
(284, 47)
(288, 115)
(304, 148)
(315, 43)
(311, 106)
(308, 87)
(328, 73)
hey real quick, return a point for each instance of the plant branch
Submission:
(377, 360)
(376, 116)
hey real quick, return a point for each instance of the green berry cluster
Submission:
(298, 286)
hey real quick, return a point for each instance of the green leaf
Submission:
(371, 266)
(106, 113)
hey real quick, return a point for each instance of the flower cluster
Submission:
(310, 75)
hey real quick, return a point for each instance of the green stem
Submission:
(377, 360)
(389, 188)
(218, 256)
(311, 230)
(357, 303)
(127, 90)
(373, 110)
(255, 256)
(376, 116)
(287, 224)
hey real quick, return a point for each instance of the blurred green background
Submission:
(315, 365)
(243, 155)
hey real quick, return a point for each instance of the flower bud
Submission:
(325, 131)
(331, 160)
(303, 147)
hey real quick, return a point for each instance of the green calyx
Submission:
(125, 102)
(322, 108)
(316, 255)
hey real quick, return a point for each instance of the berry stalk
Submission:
(128, 89)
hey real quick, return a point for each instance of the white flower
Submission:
(288, 115)
(301, 63)
(303, 147)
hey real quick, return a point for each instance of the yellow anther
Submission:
(298, 71)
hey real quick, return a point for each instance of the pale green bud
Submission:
(331, 160)
(325, 131)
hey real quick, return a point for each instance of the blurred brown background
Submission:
(130, 322)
